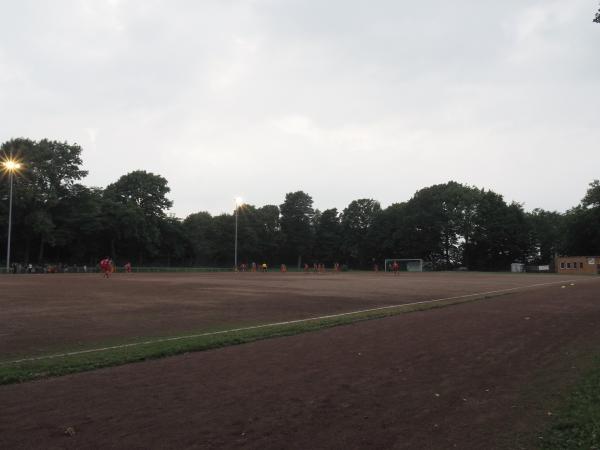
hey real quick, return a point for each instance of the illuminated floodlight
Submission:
(239, 201)
(10, 165)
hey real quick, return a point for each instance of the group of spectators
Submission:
(253, 267)
(315, 267)
(49, 268)
(18, 268)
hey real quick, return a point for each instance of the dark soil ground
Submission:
(479, 375)
(40, 314)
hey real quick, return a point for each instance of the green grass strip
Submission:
(53, 365)
(576, 425)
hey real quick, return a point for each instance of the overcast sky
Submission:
(342, 99)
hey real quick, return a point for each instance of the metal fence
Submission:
(49, 269)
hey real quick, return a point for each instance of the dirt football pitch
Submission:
(480, 375)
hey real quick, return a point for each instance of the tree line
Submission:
(58, 219)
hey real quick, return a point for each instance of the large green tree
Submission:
(500, 234)
(592, 196)
(582, 224)
(143, 190)
(268, 232)
(79, 226)
(391, 233)
(249, 230)
(258, 234)
(223, 240)
(49, 172)
(56, 218)
(440, 223)
(173, 240)
(328, 236)
(582, 232)
(136, 205)
(296, 219)
(546, 235)
(357, 219)
(199, 231)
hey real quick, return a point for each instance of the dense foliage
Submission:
(58, 219)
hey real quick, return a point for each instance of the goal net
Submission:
(405, 265)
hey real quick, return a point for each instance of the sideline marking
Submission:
(289, 322)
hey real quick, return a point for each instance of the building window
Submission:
(568, 265)
(581, 265)
(562, 265)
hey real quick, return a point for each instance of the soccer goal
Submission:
(406, 265)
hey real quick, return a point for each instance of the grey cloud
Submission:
(257, 98)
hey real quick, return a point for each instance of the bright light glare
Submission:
(11, 165)
(239, 201)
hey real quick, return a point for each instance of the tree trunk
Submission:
(41, 253)
(465, 255)
(447, 250)
(113, 251)
(27, 249)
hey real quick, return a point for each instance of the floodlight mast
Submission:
(238, 202)
(10, 166)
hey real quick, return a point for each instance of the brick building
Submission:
(578, 265)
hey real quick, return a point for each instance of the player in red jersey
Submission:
(105, 267)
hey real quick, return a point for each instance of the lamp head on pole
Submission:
(11, 165)
(238, 202)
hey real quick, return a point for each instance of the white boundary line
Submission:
(289, 322)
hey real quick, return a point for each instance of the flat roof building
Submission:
(578, 265)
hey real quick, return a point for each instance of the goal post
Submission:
(406, 264)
